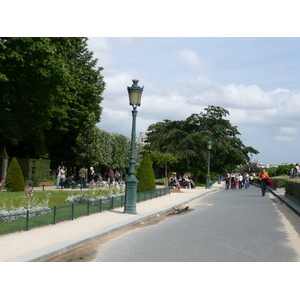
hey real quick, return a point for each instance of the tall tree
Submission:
(48, 88)
(116, 150)
(88, 147)
(187, 140)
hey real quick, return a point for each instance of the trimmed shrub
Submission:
(279, 181)
(35, 170)
(292, 188)
(145, 175)
(14, 180)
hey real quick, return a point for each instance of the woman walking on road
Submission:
(262, 176)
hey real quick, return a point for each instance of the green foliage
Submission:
(187, 140)
(48, 88)
(282, 169)
(116, 151)
(88, 146)
(292, 188)
(279, 181)
(34, 169)
(14, 180)
(145, 175)
(163, 159)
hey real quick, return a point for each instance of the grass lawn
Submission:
(57, 197)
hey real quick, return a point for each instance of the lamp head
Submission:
(209, 144)
(135, 93)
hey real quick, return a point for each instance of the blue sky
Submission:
(240, 55)
(255, 79)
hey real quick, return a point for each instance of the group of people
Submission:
(241, 180)
(86, 175)
(245, 180)
(179, 182)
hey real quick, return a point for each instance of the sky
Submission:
(255, 78)
(240, 55)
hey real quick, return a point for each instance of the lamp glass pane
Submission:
(135, 98)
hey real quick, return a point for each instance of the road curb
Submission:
(290, 203)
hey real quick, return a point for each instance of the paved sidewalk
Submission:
(40, 244)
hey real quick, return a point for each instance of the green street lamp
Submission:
(208, 144)
(135, 95)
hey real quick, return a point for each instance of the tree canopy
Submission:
(187, 140)
(48, 88)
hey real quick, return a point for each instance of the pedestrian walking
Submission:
(240, 179)
(262, 178)
(117, 176)
(58, 176)
(227, 181)
(62, 176)
(111, 176)
(83, 174)
(234, 183)
(246, 178)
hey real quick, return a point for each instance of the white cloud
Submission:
(266, 119)
(283, 139)
(277, 91)
(288, 130)
(130, 40)
(189, 59)
(284, 134)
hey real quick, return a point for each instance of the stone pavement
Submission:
(42, 243)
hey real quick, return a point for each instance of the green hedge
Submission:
(279, 181)
(292, 188)
(35, 169)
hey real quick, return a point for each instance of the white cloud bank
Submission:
(259, 115)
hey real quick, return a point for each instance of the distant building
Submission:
(266, 166)
(142, 138)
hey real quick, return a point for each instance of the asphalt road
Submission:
(226, 226)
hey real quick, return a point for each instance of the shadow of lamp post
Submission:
(135, 95)
(208, 144)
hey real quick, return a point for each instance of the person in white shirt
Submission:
(246, 178)
(240, 179)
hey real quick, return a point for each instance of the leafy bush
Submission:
(292, 188)
(145, 175)
(280, 170)
(14, 180)
(279, 181)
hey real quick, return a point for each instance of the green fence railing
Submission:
(29, 219)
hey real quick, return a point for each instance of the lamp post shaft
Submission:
(131, 181)
(208, 170)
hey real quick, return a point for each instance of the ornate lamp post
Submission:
(135, 95)
(208, 144)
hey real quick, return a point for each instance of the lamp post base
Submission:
(130, 196)
(130, 209)
(207, 182)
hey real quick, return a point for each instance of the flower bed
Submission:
(97, 191)
(2, 184)
(29, 205)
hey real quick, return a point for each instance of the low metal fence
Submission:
(29, 219)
